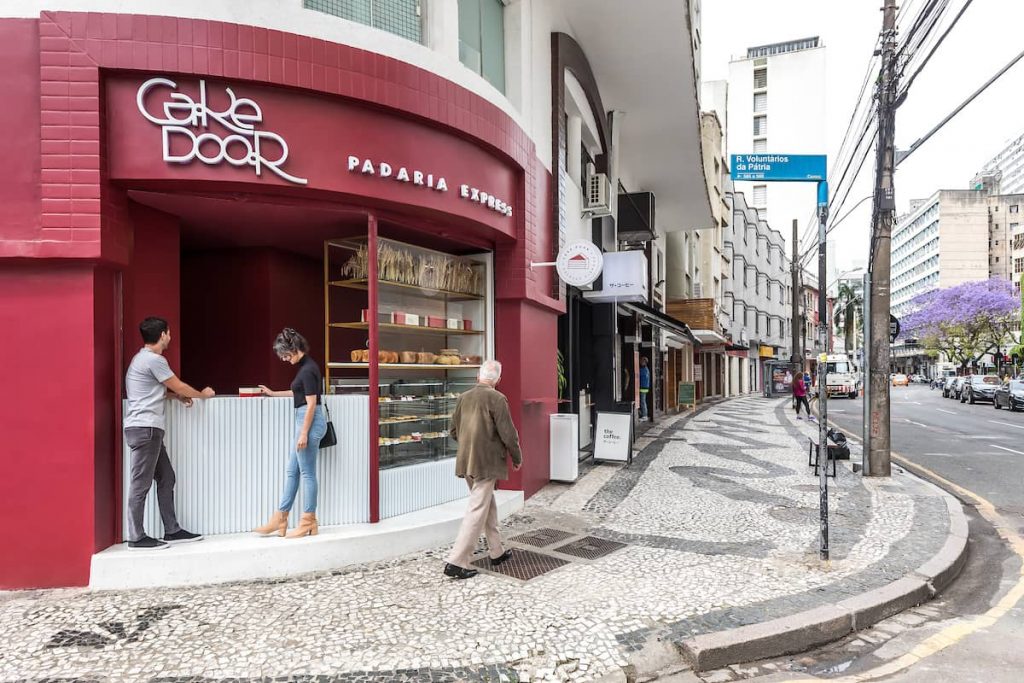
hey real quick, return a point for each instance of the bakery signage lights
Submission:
(579, 263)
(234, 139)
(431, 181)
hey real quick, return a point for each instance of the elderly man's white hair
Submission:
(490, 371)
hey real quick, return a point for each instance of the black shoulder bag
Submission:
(330, 437)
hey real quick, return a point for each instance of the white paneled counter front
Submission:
(229, 456)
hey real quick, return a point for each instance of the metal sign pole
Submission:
(824, 329)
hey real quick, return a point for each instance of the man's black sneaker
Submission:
(182, 536)
(147, 543)
(457, 572)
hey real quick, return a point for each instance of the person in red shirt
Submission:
(800, 397)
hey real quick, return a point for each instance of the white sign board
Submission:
(624, 279)
(698, 370)
(613, 437)
(579, 263)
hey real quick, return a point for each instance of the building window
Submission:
(760, 146)
(401, 17)
(760, 126)
(1018, 265)
(1015, 208)
(760, 102)
(760, 79)
(482, 39)
(760, 195)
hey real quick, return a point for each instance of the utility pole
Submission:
(879, 268)
(866, 367)
(824, 325)
(797, 359)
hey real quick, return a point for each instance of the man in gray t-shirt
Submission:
(148, 383)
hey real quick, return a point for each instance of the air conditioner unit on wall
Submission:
(597, 201)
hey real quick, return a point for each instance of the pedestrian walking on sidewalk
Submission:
(148, 383)
(482, 426)
(310, 427)
(645, 388)
(800, 396)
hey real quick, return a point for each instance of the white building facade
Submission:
(1007, 166)
(777, 104)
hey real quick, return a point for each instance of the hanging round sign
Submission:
(579, 263)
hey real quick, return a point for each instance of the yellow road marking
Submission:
(957, 632)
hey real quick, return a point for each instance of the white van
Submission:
(841, 376)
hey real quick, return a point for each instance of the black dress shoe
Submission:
(457, 572)
(495, 561)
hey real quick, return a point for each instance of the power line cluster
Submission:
(922, 38)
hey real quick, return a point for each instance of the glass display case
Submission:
(432, 326)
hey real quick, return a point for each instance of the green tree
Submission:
(848, 316)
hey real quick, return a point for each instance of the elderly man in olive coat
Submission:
(482, 425)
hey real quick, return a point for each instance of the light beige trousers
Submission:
(481, 515)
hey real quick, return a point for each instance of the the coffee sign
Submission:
(237, 142)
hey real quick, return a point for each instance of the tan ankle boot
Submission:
(277, 526)
(307, 526)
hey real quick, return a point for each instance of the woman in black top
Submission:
(310, 427)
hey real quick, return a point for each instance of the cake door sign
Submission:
(579, 263)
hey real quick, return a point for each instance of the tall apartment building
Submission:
(1007, 167)
(777, 104)
(954, 236)
(758, 292)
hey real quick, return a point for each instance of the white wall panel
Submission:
(405, 489)
(229, 455)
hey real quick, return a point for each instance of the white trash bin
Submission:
(564, 446)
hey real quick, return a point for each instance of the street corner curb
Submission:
(774, 638)
(946, 564)
(805, 630)
(872, 607)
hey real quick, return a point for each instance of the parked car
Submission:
(918, 379)
(958, 385)
(947, 387)
(1009, 394)
(979, 388)
(900, 380)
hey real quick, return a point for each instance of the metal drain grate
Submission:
(590, 547)
(523, 565)
(542, 537)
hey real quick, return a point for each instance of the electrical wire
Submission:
(913, 76)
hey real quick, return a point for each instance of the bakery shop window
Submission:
(433, 319)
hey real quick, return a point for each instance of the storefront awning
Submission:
(665, 322)
(709, 337)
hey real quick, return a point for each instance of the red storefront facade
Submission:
(97, 211)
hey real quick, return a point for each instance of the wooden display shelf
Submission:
(426, 291)
(403, 366)
(415, 329)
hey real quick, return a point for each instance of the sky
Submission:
(986, 39)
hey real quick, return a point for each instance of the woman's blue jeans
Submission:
(302, 464)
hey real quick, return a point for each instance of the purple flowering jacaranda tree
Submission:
(965, 321)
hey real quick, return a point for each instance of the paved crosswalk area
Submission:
(714, 525)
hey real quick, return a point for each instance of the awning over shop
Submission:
(665, 322)
(709, 337)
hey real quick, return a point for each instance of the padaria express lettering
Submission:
(240, 143)
(431, 181)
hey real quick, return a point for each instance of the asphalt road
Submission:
(976, 447)
(982, 450)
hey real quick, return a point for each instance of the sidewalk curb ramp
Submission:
(805, 630)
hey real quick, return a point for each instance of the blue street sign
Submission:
(778, 167)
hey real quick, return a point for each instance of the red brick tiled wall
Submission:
(75, 47)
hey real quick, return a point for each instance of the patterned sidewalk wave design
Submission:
(714, 525)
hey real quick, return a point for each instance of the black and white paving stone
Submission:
(719, 524)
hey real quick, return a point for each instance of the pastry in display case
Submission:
(431, 318)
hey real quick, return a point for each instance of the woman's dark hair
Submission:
(290, 341)
(152, 329)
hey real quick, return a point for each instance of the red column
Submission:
(57, 422)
